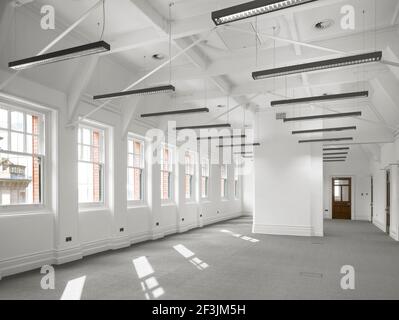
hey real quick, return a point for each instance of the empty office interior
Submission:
(199, 149)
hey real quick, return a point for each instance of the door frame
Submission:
(388, 195)
(353, 193)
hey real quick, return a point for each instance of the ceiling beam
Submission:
(79, 84)
(238, 62)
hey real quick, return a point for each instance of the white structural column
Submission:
(288, 184)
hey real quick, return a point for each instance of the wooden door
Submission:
(342, 198)
(388, 201)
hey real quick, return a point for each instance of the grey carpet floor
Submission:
(230, 267)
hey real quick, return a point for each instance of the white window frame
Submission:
(208, 177)
(142, 140)
(192, 156)
(237, 180)
(103, 204)
(47, 142)
(171, 171)
(224, 196)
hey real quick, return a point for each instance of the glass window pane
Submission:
(130, 146)
(341, 182)
(4, 141)
(29, 143)
(29, 123)
(86, 136)
(23, 179)
(345, 193)
(17, 142)
(86, 177)
(337, 193)
(17, 121)
(3, 118)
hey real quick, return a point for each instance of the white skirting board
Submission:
(300, 231)
(64, 255)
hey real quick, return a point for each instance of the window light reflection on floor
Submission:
(149, 283)
(74, 288)
(237, 235)
(188, 254)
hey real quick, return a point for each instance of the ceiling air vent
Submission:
(324, 24)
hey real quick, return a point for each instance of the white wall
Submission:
(248, 189)
(386, 160)
(356, 167)
(288, 182)
(31, 239)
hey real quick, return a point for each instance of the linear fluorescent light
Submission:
(335, 149)
(252, 9)
(336, 157)
(324, 130)
(325, 140)
(65, 54)
(166, 113)
(140, 92)
(207, 126)
(335, 154)
(325, 116)
(244, 153)
(222, 137)
(334, 160)
(239, 145)
(318, 65)
(327, 97)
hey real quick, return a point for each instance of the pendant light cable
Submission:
(170, 42)
(103, 29)
(256, 42)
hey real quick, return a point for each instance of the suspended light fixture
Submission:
(318, 65)
(325, 116)
(239, 145)
(325, 140)
(56, 56)
(206, 126)
(324, 130)
(244, 153)
(167, 113)
(327, 97)
(334, 160)
(222, 137)
(336, 149)
(335, 157)
(252, 9)
(335, 154)
(139, 92)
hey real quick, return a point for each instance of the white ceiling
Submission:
(220, 65)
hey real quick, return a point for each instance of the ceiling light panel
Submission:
(325, 140)
(318, 65)
(324, 130)
(252, 9)
(327, 97)
(174, 112)
(61, 55)
(325, 116)
(139, 92)
(207, 126)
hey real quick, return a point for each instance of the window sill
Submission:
(137, 205)
(24, 210)
(191, 202)
(92, 207)
(168, 204)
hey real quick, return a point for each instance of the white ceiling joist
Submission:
(56, 40)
